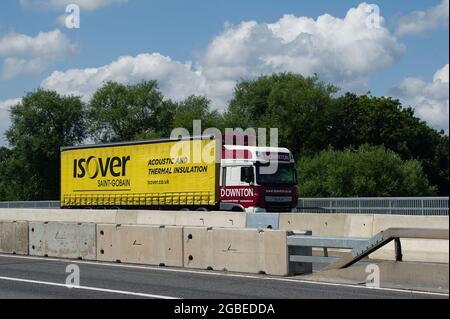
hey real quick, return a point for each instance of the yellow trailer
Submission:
(147, 174)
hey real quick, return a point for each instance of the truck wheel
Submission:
(184, 209)
(202, 209)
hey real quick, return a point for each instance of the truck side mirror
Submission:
(247, 175)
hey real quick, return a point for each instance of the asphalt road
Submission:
(27, 277)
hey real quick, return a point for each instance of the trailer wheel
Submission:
(185, 209)
(202, 209)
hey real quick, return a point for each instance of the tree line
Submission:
(345, 145)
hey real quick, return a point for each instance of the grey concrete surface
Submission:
(431, 277)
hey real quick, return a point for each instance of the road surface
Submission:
(30, 277)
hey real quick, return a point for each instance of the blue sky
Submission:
(204, 47)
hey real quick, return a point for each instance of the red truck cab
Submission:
(258, 179)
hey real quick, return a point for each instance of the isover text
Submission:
(93, 166)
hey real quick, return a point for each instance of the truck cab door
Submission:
(238, 186)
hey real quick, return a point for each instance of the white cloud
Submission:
(344, 51)
(341, 50)
(4, 117)
(176, 79)
(6, 104)
(419, 22)
(429, 99)
(441, 75)
(23, 54)
(61, 20)
(61, 4)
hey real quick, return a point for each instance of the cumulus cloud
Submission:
(23, 54)
(429, 99)
(4, 117)
(177, 80)
(6, 105)
(419, 22)
(60, 4)
(344, 51)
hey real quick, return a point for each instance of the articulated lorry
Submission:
(195, 173)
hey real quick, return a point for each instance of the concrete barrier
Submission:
(137, 217)
(425, 250)
(63, 240)
(59, 215)
(357, 225)
(211, 219)
(340, 225)
(14, 237)
(132, 217)
(404, 275)
(240, 250)
(140, 244)
(262, 220)
(346, 225)
(183, 218)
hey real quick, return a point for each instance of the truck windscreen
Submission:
(285, 175)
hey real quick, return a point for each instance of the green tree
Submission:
(311, 118)
(41, 124)
(5, 155)
(196, 108)
(290, 102)
(370, 171)
(120, 112)
(353, 120)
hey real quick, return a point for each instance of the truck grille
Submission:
(278, 207)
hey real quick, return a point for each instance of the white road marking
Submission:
(122, 292)
(212, 273)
